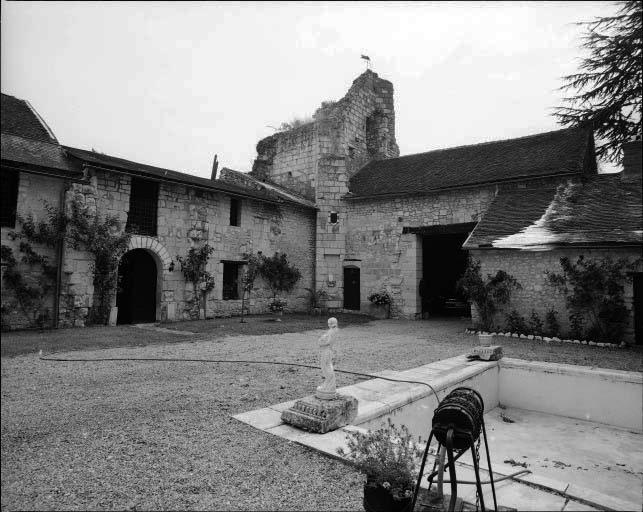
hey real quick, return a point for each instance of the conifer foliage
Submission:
(606, 92)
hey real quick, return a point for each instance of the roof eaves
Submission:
(552, 246)
(170, 179)
(354, 197)
(41, 121)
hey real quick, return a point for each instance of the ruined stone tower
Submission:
(317, 159)
(358, 128)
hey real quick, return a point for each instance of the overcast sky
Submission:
(171, 84)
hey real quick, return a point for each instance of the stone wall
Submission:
(392, 261)
(359, 127)
(187, 217)
(289, 159)
(34, 192)
(530, 268)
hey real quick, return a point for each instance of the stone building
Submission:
(352, 214)
(166, 212)
(399, 224)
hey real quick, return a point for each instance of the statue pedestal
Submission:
(321, 416)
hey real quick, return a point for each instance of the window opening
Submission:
(231, 281)
(333, 218)
(235, 212)
(9, 197)
(143, 203)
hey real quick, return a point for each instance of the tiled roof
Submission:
(246, 180)
(32, 152)
(17, 117)
(556, 152)
(604, 210)
(111, 162)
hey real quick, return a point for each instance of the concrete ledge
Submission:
(569, 369)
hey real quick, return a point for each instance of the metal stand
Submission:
(466, 441)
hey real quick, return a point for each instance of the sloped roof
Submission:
(18, 117)
(544, 154)
(246, 180)
(112, 162)
(604, 210)
(32, 152)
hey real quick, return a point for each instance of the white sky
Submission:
(170, 84)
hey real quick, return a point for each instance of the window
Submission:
(231, 281)
(9, 203)
(143, 201)
(235, 212)
(333, 218)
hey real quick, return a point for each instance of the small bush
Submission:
(380, 298)
(535, 324)
(488, 295)
(516, 322)
(387, 456)
(552, 323)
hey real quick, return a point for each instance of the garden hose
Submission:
(243, 361)
(236, 361)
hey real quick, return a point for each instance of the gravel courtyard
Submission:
(159, 435)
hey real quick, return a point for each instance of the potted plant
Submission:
(487, 295)
(390, 459)
(277, 306)
(382, 300)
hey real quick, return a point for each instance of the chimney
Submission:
(632, 160)
(215, 168)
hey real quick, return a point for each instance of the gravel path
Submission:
(132, 435)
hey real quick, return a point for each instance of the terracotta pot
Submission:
(379, 499)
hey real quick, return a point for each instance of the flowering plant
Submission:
(380, 298)
(388, 456)
(278, 305)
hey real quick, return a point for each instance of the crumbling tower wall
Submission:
(317, 159)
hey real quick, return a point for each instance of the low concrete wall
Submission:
(417, 415)
(612, 397)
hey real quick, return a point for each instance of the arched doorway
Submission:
(136, 297)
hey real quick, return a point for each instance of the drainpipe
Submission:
(60, 251)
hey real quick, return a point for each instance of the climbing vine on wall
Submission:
(104, 239)
(194, 270)
(31, 289)
(594, 293)
(100, 236)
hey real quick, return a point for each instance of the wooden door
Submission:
(351, 288)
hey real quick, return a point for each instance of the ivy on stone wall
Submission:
(487, 294)
(594, 294)
(32, 289)
(194, 270)
(100, 236)
(104, 238)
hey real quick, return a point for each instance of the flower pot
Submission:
(485, 340)
(379, 499)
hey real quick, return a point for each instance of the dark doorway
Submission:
(443, 262)
(637, 307)
(136, 297)
(351, 288)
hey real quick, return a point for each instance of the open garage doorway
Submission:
(443, 262)
(136, 296)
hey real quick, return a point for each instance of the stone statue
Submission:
(327, 344)
(326, 410)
